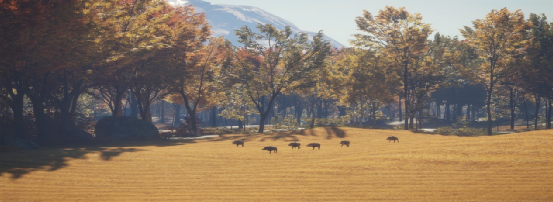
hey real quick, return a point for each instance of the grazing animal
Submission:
(238, 142)
(295, 144)
(344, 142)
(270, 148)
(394, 138)
(314, 144)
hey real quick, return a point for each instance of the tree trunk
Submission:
(526, 113)
(193, 122)
(214, 116)
(362, 112)
(17, 105)
(176, 116)
(455, 107)
(438, 110)
(75, 103)
(117, 105)
(512, 107)
(411, 119)
(538, 100)
(40, 118)
(469, 108)
(144, 108)
(447, 112)
(399, 108)
(133, 105)
(298, 109)
(313, 112)
(374, 114)
(65, 107)
(548, 116)
(162, 110)
(489, 110)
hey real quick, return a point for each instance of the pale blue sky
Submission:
(337, 17)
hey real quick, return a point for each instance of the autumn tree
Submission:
(363, 80)
(537, 64)
(193, 61)
(128, 34)
(275, 61)
(401, 36)
(198, 80)
(496, 38)
(48, 54)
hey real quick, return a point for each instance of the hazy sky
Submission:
(337, 17)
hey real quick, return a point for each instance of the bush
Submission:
(463, 131)
(125, 127)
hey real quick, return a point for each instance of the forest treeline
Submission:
(63, 62)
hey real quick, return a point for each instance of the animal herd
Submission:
(313, 144)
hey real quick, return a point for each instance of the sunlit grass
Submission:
(421, 167)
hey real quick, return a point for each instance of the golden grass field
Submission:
(421, 167)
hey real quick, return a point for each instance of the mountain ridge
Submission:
(224, 19)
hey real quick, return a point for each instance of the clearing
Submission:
(421, 167)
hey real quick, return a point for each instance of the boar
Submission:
(270, 148)
(314, 144)
(238, 142)
(344, 142)
(295, 144)
(394, 138)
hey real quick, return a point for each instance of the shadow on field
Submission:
(289, 136)
(334, 131)
(21, 162)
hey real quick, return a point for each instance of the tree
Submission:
(128, 35)
(197, 84)
(496, 38)
(275, 61)
(46, 48)
(536, 72)
(365, 81)
(402, 37)
(194, 61)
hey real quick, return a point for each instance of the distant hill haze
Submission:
(224, 19)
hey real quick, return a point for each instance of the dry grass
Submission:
(421, 167)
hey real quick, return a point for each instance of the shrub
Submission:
(463, 131)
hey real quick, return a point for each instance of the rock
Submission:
(17, 142)
(125, 127)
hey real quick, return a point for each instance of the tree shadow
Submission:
(21, 162)
(283, 135)
(334, 131)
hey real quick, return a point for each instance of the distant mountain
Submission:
(224, 19)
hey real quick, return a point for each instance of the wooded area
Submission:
(65, 64)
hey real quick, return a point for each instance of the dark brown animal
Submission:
(394, 138)
(344, 142)
(295, 144)
(238, 142)
(270, 148)
(314, 144)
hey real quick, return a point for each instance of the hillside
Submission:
(421, 167)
